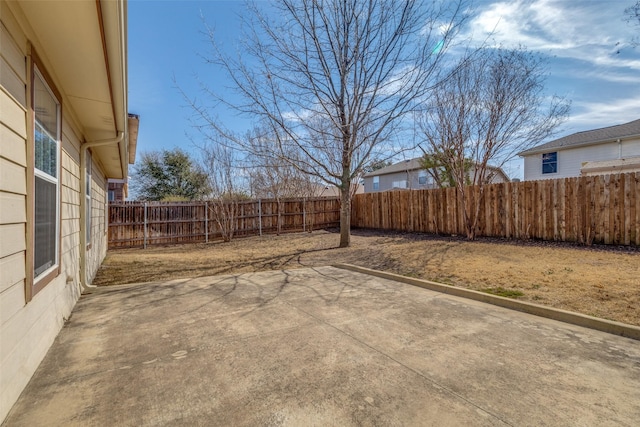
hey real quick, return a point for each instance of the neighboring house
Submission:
(409, 174)
(117, 190)
(64, 130)
(333, 191)
(614, 149)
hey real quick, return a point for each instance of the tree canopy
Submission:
(168, 175)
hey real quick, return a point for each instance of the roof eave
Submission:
(543, 149)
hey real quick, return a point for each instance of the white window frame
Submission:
(400, 184)
(376, 182)
(39, 174)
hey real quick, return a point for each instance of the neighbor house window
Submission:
(422, 178)
(550, 162)
(400, 184)
(376, 182)
(87, 197)
(46, 170)
(112, 195)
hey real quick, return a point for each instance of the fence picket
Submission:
(587, 209)
(135, 224)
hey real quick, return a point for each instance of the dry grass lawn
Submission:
(602, 282)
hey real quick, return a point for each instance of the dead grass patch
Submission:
(601, 283)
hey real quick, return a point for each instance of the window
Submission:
(550, 162)
(400, 184)
(376, 182)
(422, 178)
(46, 177)
(112, 195)
(87, 197)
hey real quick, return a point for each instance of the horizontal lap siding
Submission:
(594, 209)
(98, 249)
(13, 175)
(28, 329)
(13, 214)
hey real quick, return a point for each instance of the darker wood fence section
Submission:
(135, 224)
(592, 209)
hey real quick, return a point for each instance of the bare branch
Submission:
(491, 108)
(333, 80)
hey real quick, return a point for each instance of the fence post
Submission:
(260, 216)
(206, 222)
(304, 214)
(145, 225)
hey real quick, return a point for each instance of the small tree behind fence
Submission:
(140, 224)
(591, 209)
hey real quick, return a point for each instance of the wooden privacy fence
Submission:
(134, 224)
(590, 209)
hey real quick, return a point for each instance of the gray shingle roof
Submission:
(416, 164)
(402, 166)
(588, 137)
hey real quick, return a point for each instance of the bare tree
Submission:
(632, 14)
(273, 177)
(334, 79)
(491, 108)
(220, 163)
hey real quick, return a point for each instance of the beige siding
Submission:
(27, 336)
(13, 147)
(13, 177)
(12, 240)
(12, 67)
(13, 114)
(12, 268)
(13, 208)
(98, 227)
(27, 330)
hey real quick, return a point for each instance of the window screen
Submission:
(46, 195)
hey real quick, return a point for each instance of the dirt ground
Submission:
(598, 281)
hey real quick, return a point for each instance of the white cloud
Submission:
(594, 114)
(298, 116)
(590, 31)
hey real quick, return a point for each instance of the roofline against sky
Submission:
(577, 145)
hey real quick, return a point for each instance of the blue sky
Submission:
(591, 61)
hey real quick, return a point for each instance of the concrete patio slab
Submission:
(323, 346)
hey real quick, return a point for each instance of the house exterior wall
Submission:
(570, 160)
(116, 188)
(28, 328)
(412, 178)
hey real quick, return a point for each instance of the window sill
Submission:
(44, 280)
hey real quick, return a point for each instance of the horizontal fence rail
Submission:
(139, 224)
(590, 209)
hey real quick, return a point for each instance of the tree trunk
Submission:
(345, 215)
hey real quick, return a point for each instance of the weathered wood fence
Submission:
(135, 224)
(591, 209)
